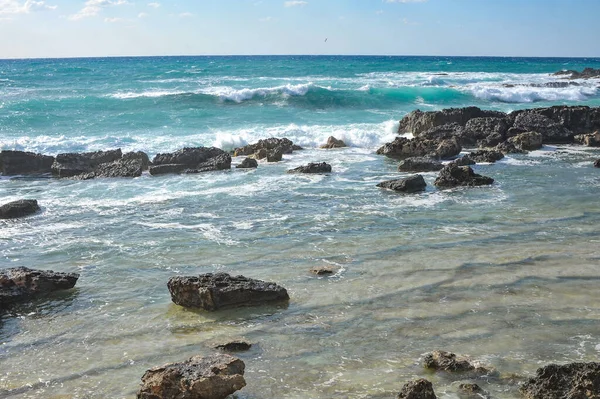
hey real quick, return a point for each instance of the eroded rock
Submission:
(411, 184)
(418, 121)
(453, 176)
(480, 156)
(263, 148)
(19, 209)
(569, 381)
(528, 141)
(589, 140)
(248, 163)
(235, 346)
(418, 389)
(120, 168)
(312, 168)
(419, 164)
(73, 164)
(450, 362)
(332, 142)
(24, 163)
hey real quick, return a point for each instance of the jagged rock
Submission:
(419, 164)
(234, 346)
(190, 157)
(527, 141)
(480, 156)
(332, 142)
(488, 131)
(24, 163)
(140, 155)
(589, 140)
(18, 209)
(492, 140)
(21, 284)
(551, 131)
(220, 162)
(471, 391)
(463, 161)
(119, 168)
(72, 164)
(274, 155)
(211, 377)
(216, 291)
(260, 150)
(442, 132)
(417, 121)
(587, 73)
(569, 381)
(597, 163)
(248, 163)
(402, 147)
(312, 168)
(156, 170)
(418, 389)
(450, 362)
(448, 149)
(411, 184)
(578, 119)
(509, 148)
(453, 176)
(323, 270)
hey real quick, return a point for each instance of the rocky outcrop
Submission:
(248, 163)
(332, 142)
(509, 148)
(191, 160)
(442, 132)
(453, 176)
(419, 164)
(589, 140)
(139, 155)
(217, 291)
(19, 209)
(486, 130)
(417, 121)
(403, 147)
(551, 131)
(528, 141)
(72, 164)
(211, 377)
(312, 168)
(587, 73)
(411, 184)
(471, 391)
(463, 161)
(272, 147)
(24, 163)
(21, 284)
(120, 168)
(574, 380)
(450, 362)
(418, 389)
(235, 346)
(481, 156)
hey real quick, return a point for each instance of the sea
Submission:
(506, 274)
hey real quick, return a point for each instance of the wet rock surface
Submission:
(471, 391)
(419, 164)
(589, 140)
(275, 147)
(571, 381)
(19, 209)
(411, 184)
(234, 346)
(332, 142)
(211, 377)
(418, 121)
(453, 176)
(480, 156)
(450, 362)
(248, 163)
(528, 141)
(119, 168)
(403, 147)
(323, 270)
(312, 168)
(21, 284)
(191, 160)
(73, 164)
(587, 73)
(218, 291)
(418, 389)
(24, 163)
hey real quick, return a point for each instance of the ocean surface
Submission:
(507, 274)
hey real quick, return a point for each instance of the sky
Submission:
(97, 28)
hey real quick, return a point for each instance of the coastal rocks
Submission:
(453, 176)
(479, 156)
(72, 164)
(248, 163)
(192, 160)
(312, 168)
(402, 147)
(216, 291)
(485, 129)
(235, 346)
(508, 148)
(450, 362)
(21, 284)
(220, 162)
(18, 209)
(418, 389)
(419, 164)
(121, 168)
(412, 184)
(272, 146)
(24, 163)
(589, 140)
(578, 119)
(528, 141)
(551, 131)
(139, 155)
(323, 270)
(471, 391)
(587, 73)
(332, 142)
(574, 380)
(418, 121)
(448, 149)
(211, 377)
(442, 132)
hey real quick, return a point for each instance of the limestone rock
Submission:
(332, 142)
(527, 141)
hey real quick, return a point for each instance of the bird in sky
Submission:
(325, 40)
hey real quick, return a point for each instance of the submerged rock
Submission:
(419, 164)
(411, 184)
(528, 141)
(418, 389)
(211, 377)
(471, 391)
(18, 209)
(312, 168)
(21, 284)
(217, 291)
(453, 176)
(24, 163)
(234, 346)
(332, 142)
(323, 270)
(450, 362)
(587, 73)
(73, 164)
(597, 163)
(574, 380)
(248, 163)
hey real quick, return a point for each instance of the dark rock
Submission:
(296, 148)
(119, 168)
(220, 290)
(463, 161)
(259, 154)
(597, 163)
(419, 164)
(551, 131)
(274, 155)
(486, 132)
(450, 362)
(140, 155)
(442, 132)
(24, 163)
(235, 346)
(448, 149)
(211, 377)
(190, 157)
(167, 168)
(72, 164)
(220, 162)
(417, 121)
(402, 148)
(21, 284)
(418, 389)
(480, 156)
(18, 209)
(471, 391)
(284, 145)
(527, 141)
(453, 176)
(589, 140)
(411, 184)
(587, 73)
(248, 163)
(312, 168)
(578, 119)
(332, 142)
(323, 270)
(509, 148)
(492, 140)
(571, 381)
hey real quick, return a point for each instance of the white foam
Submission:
(226, 93)
(527, 94)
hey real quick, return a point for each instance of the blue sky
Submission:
(71, 28)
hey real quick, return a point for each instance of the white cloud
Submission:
(295, 3)
(154, 5)
(186, 15)
(142, 15)
(93, 8)
(113, 20)
(11, 7)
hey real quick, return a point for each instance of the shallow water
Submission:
(506, 274)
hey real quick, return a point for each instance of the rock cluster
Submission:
(450, 362)
(272, 149)
(587, 73)
(191, 160)
(575, 380)
(24, 163)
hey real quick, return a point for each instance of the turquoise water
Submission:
(506, 273)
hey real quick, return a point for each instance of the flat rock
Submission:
(217, 291)
(21, 284)
(453, 176)
(120, 168)
(189, 156)
(332, 142)
(411, 184)
(73, 164)
(24, 163)
(211, 377)
(18, 209)
(312, 168)
(450, 362)
(220, 162)
(419, 164)
(569, 381)
(418, 389)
